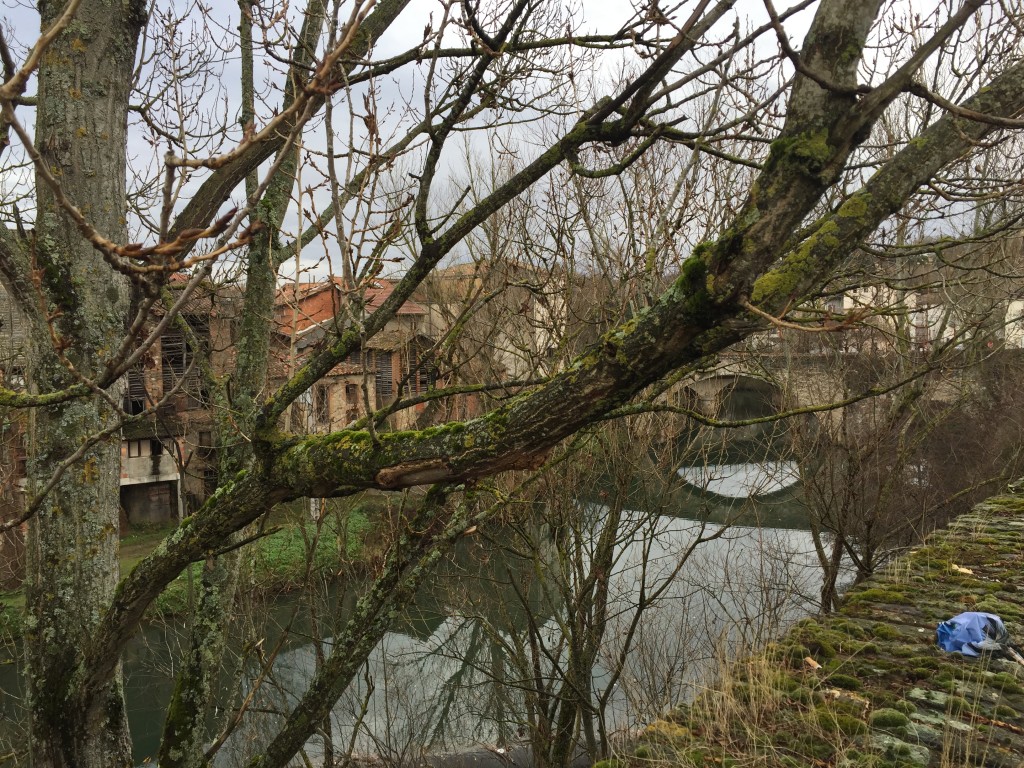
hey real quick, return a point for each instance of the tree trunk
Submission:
(84, 83)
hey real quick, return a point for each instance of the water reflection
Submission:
(470, 681)
(470, 662)
(742, 481)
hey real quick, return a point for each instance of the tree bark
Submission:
(84, 83)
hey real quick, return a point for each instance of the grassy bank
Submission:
(867, 687)
(292, 548)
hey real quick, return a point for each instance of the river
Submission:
(450, 674)
(449, 677)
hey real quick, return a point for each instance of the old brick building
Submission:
(395, 363)
(167, 456)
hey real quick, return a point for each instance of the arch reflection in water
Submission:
(741, 481)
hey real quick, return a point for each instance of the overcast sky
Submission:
(220, 94)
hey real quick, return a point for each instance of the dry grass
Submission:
(882, 695)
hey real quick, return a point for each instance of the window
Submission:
(353, 394)
(301, 416)
(420, 372)
(205, 446)
(135, 395)
(384, 378)
(178, 361)
(16, 376)
(174, 358)
(209, 480)
(321, 404)
(140, 448)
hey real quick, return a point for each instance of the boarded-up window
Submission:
(419, 372)
(385, 376)
(135, 397)
(178, 363)
(174, 358)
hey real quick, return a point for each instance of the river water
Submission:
(724, 564)
(450, 674)
(446, 680)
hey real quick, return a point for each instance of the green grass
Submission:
(277, 562)
(296, 548)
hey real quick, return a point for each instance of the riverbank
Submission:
(293, 547)
(867, 687)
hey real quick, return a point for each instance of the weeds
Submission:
(867, 687)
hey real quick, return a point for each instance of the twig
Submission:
(841, 323)
(14, 87)
(919, 89)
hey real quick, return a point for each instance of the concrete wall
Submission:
(150, 503)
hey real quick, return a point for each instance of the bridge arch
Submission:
(735, 396)
(748, 460)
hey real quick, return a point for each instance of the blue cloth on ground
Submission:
(972, 632)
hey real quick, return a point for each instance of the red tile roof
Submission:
(319, 302)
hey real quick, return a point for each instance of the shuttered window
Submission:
(385, 375)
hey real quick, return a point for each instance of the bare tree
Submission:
(224, 185)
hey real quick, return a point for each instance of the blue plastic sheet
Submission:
(971, 633)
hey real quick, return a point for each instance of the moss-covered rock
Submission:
(900, 753)
(886, 719)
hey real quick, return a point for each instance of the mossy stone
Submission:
(1006, 712)
(1007, 683)
(884, 632)
(848, 725)
(886, 718)
(904, 706)
(900, 752)
(846, 682)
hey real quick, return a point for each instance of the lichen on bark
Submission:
(67, 594)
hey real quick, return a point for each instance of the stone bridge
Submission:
(775, 382)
